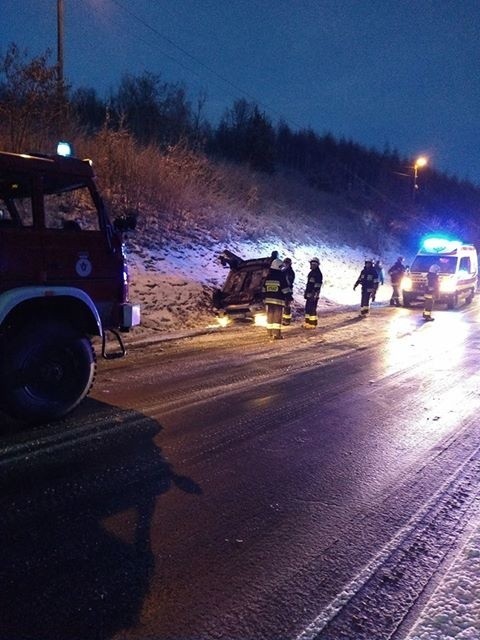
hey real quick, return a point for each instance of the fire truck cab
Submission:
(458, 272)
(63, 281)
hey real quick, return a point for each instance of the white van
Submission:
(457, 276)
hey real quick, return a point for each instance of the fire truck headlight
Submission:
(407, 284)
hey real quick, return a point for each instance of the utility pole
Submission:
(419, 164)
(60, 41)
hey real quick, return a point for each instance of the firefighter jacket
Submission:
(314, 284)
(368, 279)
(290, 273)
(276, 288)
(396, 272)
(433, 283)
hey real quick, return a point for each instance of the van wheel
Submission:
(48, 369)
(452, 302)
(407, 301)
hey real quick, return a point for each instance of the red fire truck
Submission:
(63, 281)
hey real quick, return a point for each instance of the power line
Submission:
(226, 81)
(181, 49)
(155, 31)
(232, 85)
(162, 51)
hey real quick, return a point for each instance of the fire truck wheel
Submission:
(49, 370)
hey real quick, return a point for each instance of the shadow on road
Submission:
(77, 507)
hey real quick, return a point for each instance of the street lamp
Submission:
(420, 162)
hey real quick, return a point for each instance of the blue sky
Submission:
(402, 73)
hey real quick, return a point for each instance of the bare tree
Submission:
(245, 134)
(154, 111)
(33, 102)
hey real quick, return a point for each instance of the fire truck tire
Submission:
(49, 369)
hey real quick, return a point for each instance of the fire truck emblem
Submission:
(83, 266)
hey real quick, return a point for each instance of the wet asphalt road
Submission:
(222, 486)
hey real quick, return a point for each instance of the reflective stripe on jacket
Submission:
(276, 287)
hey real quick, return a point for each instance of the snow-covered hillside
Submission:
(173, 278)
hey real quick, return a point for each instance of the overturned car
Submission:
(241, 297)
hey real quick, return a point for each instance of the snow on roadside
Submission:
(453, 610)
(174, 282)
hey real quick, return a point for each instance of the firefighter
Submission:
(276, 290)
(312, 294)
(290, 273)
(274, 255)
(431, 292)
(396, 273)
(380, 270)
(368, 280)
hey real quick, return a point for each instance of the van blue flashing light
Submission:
(64, 149)
(436, 244)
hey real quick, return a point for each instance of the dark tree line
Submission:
(155, 112)
(34, 107)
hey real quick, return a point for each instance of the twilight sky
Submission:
(402, 73)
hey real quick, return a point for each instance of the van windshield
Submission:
(447, 264)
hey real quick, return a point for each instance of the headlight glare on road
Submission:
(223, 321)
